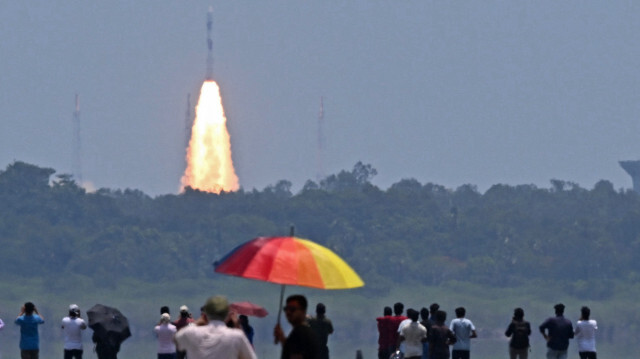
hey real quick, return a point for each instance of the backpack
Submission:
(520, 337)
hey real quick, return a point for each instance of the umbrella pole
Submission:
(280, 306)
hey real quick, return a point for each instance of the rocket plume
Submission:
(209, 164)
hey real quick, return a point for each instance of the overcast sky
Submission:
(479, 92)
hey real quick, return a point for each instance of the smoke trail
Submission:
(209, 164)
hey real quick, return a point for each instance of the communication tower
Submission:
(320, 145)
(76, 165)
(188, 122)
(633, 169)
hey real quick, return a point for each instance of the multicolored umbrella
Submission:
(289, 261)
(248, 308)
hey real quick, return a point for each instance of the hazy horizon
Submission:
(450, 93)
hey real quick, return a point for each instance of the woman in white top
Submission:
(165, 332)
(585, 335)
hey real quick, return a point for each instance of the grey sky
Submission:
(479, 92)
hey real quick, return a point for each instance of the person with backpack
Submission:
(519, 331)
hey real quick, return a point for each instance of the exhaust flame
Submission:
(209, 164)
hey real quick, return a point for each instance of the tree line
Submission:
(408, 233)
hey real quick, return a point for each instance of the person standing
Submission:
(301, 342)
(440, 337)
(322, 327)
(165, 332)
(28, 320)
(1, 326)
(426, 323)
(413, 335)
(246, 327)
(585, 334)
(464, 330)
(72, 327)
(557, 331)
(214, 339)
(397, 324)
(519, 330)
(385, 334)
(184, 320)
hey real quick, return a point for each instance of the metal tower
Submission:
(633, 169)
(209, 44)
(188, 122)
(76, 165)
(320, 145)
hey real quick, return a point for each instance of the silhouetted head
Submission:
(413, 314)
(321, 309)
(387, 311)
(440, 316)
(398, 308)
(74, 310)
(216, 308)
(164, 309)
(460, 312)
(184, 311)
(433, 308)
(244, 320)
(28, 308)
(518, 314)
(296, 309)
(424, 313)
(586, 312)
(559, 308)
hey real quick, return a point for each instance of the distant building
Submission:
(633, 169)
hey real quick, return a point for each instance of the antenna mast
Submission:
(77, 145)
(187, 121)
(320, 149)
(209, 44)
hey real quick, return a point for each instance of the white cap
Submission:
(165, 318)
(184, 308)
(74, 307)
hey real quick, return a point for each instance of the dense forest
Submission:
(408, 233)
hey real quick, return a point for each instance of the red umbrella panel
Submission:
(249, 309)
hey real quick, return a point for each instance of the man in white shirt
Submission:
(412, 335)
(464, 331)
(585, 335)
(72, 327)
(165, 332)
(214, 340)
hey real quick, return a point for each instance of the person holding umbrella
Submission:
(110, 329)
(301, 342)
(214, 339)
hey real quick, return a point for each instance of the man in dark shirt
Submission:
(557, 331)
(301, 342)
(184, 320)
(440, 337)
(322, 327)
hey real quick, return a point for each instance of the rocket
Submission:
(209, 75)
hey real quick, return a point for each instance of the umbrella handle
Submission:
(280, 307)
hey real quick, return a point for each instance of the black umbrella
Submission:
(108, 324)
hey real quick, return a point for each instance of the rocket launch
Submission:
(209, 164)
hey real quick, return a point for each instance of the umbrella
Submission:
(248, 308)
(289, 261)
(108, 324)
